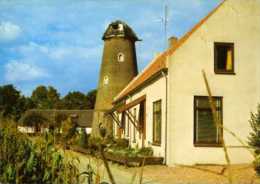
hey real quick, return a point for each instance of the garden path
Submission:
(158, 174)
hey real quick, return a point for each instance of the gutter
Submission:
(166, 113)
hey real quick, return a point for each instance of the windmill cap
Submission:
(119, 28)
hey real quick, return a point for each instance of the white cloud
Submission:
(59, 52)
(63, 52)
(31, 48)
(21, 71)
(9, 31)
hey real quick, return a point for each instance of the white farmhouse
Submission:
(166, 106)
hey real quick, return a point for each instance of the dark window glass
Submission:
(205, 131)
(141, 118)
(134, 129)
(157, 122)
(224, 58)
(128, 128)
(123, 121)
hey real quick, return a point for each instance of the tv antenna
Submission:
(164, 19)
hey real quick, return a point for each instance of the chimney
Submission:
(172, 41)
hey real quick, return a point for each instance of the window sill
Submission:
(225, 73)
(208, 145)
(156, 144)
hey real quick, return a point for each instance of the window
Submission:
(121, 57)
(106, 80)
(205, 131)
(128, 128)
(134, 129)
(157, 122)
(120, 27)
(123, 121)
(141, 119)
(224, 58)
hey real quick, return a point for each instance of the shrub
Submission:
(94, 142)
(131, 152)
(69, 132)
(147, 151)
(83, 139)
(254, 138)
(121, 143)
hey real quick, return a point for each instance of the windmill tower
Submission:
(118, 68)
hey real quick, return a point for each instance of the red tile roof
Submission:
(159, 62)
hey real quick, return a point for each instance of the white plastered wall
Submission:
(236, 21)
(154, 91)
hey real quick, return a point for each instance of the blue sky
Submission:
(58, 42)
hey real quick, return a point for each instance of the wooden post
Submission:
(133, 121)
(218, 125)
(106, 165)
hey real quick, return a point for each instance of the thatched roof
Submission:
(82, 117)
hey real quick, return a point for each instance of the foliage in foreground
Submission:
(22, 161)
(254, 138)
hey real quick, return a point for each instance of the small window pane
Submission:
(206, 128)
(203, 103)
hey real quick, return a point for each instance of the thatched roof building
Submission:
(82, 117)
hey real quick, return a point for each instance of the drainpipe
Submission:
(166, 113)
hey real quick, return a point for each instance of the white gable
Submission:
(236, 21)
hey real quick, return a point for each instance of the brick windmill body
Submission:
(118, 68)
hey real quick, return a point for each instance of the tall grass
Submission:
(24, 161)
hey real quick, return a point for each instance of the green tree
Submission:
(29, 104)
(254, 138)
(45, 97)
(91, 97)
(9, 98)
(19, 108)
(53, 97)
(75, 100)
(39, 97)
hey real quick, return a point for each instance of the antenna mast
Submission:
(165, 22)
